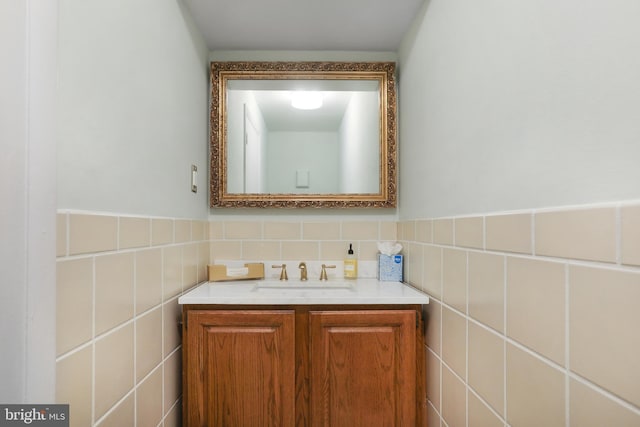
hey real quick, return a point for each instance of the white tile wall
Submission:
(119, 278)
(534, 316)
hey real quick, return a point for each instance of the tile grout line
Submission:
(567, 327)
(487, 404)
(604, 393)
(93, 341)
(466, 325)
(114, 407)
(440, 332)
(162, 340)
(135, 339)
(504, 336)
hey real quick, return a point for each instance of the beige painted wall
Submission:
(518, 105)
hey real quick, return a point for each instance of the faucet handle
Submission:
(323, 273)
(283, 272)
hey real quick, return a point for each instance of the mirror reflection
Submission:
(303, 134)
(304, 137)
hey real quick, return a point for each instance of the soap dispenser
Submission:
(350, 264)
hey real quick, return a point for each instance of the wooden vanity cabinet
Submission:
(238, 368)
(303, 366)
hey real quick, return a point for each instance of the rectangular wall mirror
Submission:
(303, 134)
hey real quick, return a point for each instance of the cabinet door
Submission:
(363, 368)
(240, 368)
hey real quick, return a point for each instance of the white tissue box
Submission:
(390, 268)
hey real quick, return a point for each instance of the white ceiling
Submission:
(273, 98)
(347, 25)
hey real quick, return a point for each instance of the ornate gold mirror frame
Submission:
(222, 73)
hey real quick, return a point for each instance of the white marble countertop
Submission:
(312, 292)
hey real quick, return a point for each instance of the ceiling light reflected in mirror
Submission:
(306, 100)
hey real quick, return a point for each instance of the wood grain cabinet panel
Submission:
(243, 373)
(363, 368)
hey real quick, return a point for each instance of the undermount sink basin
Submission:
(299, 288)
(308, 286)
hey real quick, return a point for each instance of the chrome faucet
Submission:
(303, 271)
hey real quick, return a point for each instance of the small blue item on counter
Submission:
(390, 268)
